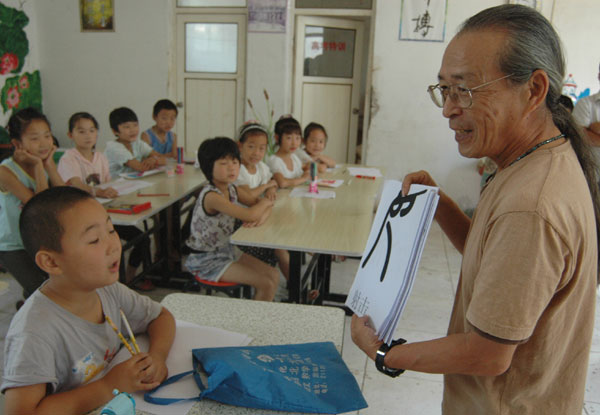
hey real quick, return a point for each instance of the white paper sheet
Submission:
(188, 336)
(303, 192)
(124, 187)
(330, 182)
(138, 175)
(389, 263)
(365, 171)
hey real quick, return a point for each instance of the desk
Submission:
(267, 323)
(179, 188)
(339, 226)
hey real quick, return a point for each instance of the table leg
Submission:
(295, 277)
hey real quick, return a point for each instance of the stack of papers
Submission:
(330, 182)
(389, 263)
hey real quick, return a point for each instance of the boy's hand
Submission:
(130, 376)
(157, 371)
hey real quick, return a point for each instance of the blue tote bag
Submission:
(306, 377)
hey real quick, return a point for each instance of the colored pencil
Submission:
(131, 336)
(116, 330)
(152, 194)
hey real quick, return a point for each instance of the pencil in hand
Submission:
(131, 336)
(116, 330)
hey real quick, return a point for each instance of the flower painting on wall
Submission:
(97, 15)
(22, 91)
(14, 45)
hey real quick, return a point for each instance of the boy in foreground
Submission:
(59, 343)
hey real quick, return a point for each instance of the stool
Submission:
(232, 289)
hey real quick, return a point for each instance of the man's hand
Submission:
(418, 177)
(364, 336)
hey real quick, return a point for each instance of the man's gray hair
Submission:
(534, 44)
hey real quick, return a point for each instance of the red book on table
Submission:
(129, 208)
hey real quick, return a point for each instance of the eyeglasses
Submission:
(461, 95)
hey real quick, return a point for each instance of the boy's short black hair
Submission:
(39, 221)
(164, 104)
(120, 116)
(214, 149)
(311, 127)
(287, 125)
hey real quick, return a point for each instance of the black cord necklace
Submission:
(535, 147)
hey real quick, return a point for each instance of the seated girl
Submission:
(214, 218)
(286, 166)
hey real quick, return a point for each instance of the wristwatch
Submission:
(379, 359)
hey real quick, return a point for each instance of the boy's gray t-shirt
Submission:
(48, 344)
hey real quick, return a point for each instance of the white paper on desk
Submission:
(138, 175)
(364, 171)
(389, 263)
(124, 187)
(303, 192)
(330, 182)
(188, 336)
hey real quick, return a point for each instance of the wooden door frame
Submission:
(364, 15)
(176, 85)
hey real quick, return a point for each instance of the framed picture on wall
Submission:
(97, 15)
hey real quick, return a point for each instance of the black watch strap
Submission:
(379, 359)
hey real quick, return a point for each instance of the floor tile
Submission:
(591, 408)
(387, 396)
(592, 386)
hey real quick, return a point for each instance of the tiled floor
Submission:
(425, 317)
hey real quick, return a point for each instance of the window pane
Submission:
(334, 4)
(211, 47)
(328, 51)
(211, 3)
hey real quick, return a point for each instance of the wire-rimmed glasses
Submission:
(460, 94)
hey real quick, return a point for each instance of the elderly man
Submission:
(522, 321)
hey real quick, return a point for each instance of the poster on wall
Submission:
(423, 20)
(97, 15)
(267, 16)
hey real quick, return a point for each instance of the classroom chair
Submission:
(232, 289)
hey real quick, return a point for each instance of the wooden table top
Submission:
(178, 187)
(337, 226)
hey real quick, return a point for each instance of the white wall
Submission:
(32, 59)
(579, 29)
(408, 132)
(97, 72)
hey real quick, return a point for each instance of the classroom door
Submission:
(327, 80)
(211, 56)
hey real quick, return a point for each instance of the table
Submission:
(267, 323)
(178, 188)
(325, 227)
